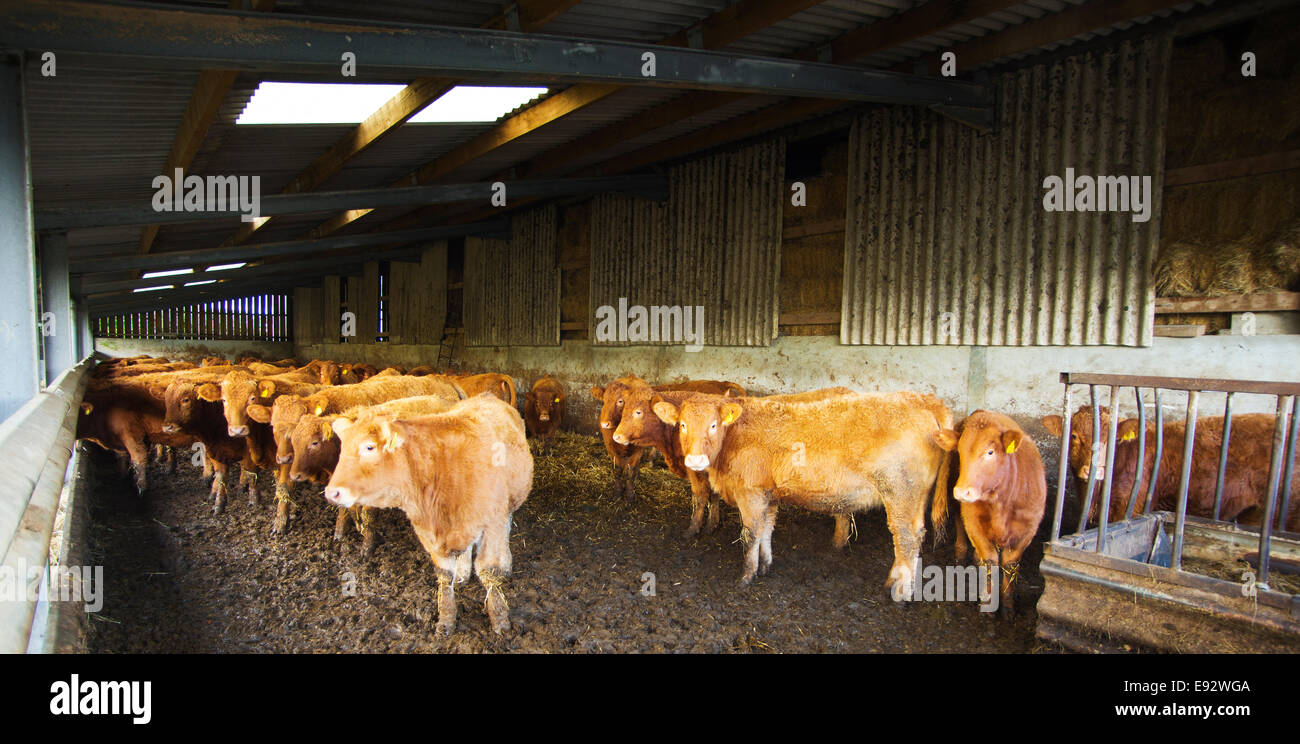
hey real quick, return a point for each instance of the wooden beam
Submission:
(1229, 169)
(205, 103)
(829, 317)
(396, 111)
(1178, 330)
(1256, 302)
(722, 28)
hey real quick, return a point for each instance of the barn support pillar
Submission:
(85, 337)
(58, 325)
(19, 342)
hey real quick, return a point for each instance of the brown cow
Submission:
(126, 418)
(287, 409)
(502, 386)
(837, 455)
(544, 408)
(458, 475)
(1002, 488)
(1245, 483)
(316, 453)
(613, 398)
(189, 414)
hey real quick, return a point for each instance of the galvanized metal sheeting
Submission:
(263, 317)
(716, 244)
(512, 288)
(947, 240)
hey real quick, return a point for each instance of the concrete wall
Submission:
(193, 350)
(1020, 381)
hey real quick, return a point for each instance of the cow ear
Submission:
(259, 413)
(1053, 425)
(946, 439)
(731, 412)
(326, 430)
(209, 392)
(393, 433)
(1011, 441)
(1127, 431)
(598, 393)
(158, 391)
(340, 425)
(316, 405)
(667, 412)
(86, 408)
(265, 388)
(530, 396)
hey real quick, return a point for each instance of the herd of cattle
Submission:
(451, 451)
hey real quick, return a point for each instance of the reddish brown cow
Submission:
(502, 386)
(458, 475)
(189, 414)
(836, 455)
(613, 398)
(1245, 482)
(544, 408)
(316, 453)
(287, 409)
(126, 418)
(1002, 488)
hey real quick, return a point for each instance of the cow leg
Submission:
(765, 545)
(138, 452)
(843, 528)
(699, 499)
(123, 463)
(906, 519)
(170, 463)
(340, 523)
(254, 488)
(446, 602)
(715, 512)
(753, 518)
(218, 487)
(366, 525)
(207, 466)
(492, 565)
(986, 555)
(962, 548)
(283, 501)
(1010, 562)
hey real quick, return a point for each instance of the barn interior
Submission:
(831, 192)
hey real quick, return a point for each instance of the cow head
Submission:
(182, 402)
(372, 465)
(613, 399)
(1082, 457)
(239, 390)
(315, 448)
(285, 413)
(547, 400)
(329, 373)
(986, 447)
(702, 422)
(639, 421)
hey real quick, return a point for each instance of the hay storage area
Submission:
(181, 580)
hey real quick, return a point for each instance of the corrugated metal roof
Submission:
(101, 130)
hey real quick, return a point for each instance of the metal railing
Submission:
(1281, 462)
(37, 442)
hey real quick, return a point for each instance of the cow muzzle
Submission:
(607, 424)
(237, 431)
(967, 495)
(697, 462)
(620, 438)
(543, 417)
(340, 497)
(283, 459)
(297, 477)
(170, 428)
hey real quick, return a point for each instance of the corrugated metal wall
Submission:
(716, 244)
(947, 240)
(263, 317)
(512, 288)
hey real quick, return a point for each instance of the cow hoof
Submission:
(217, 509)
(368, 545)
(280, 525)
(445, 628)
(745, 581)
(501, 627)
(692, 531)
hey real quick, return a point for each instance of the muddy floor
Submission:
(179, 579)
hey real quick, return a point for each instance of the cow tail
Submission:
(939, 507)
(460, 391)
(508, 385)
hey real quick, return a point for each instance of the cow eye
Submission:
(683, 426)
(185, 400)
(713, 426)
(620, 402)
(989, 453)
(315, 444)
(637, 413)
(369, 446)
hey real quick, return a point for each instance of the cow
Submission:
(284, 413)
(187, 413)
(502, 386)
(1245, 482)
(316, 453)
(613, 398)
(459, 476)
(544, 407)
(837, 455)
(126, 418)
(1002, 489)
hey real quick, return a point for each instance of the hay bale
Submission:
(1276, 260)
(1194, 268)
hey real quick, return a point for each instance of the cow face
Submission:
(613, 399)
(1082, 457)
(639, 421)
(547, 402)
(702, 422)
(372, 466)
(182, 406)
(986, 451)
(315, 448)
(285, 413)
(239, 390)
(329, 373)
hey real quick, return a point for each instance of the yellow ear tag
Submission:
(1011, 448)
(1128, 437)
(393, 442)
(266, 392)
(320, 410)
(728, 417)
